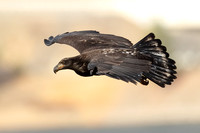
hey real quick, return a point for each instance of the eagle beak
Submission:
(58, 67)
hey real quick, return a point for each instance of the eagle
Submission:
(116, 57)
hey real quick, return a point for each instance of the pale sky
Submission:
(173, 13)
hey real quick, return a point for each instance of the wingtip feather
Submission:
(49, 41)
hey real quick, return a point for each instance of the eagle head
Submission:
(65, 63)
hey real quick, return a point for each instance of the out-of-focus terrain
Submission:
(33, 97)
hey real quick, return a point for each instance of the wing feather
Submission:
(123, 68)
(88, 40)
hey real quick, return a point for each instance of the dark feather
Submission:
(126, 69)
(117, 57)
(88, 40)
(149, 61)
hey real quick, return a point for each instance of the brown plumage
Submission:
(117, 57)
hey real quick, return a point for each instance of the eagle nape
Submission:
(117, 57)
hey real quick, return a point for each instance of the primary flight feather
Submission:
(117, 57)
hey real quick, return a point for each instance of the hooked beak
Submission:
(58, 67)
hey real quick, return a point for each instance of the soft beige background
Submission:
(33, 97)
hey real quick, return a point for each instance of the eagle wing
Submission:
(120, 66)
(88, 40)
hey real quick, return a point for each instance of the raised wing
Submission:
(121, 67)
(88, 40)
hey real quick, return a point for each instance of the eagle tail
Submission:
(162, 70)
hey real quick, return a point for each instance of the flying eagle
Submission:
(117, 57)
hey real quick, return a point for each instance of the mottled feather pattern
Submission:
(117, 57)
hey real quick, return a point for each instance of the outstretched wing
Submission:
(120, 66)
(88, 40)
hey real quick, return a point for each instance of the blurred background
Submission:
(33, 98)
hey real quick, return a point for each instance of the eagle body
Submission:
(117, 57)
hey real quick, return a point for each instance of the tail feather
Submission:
(163, 73)
(162, 70)
(163, 62)
(153, 42)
